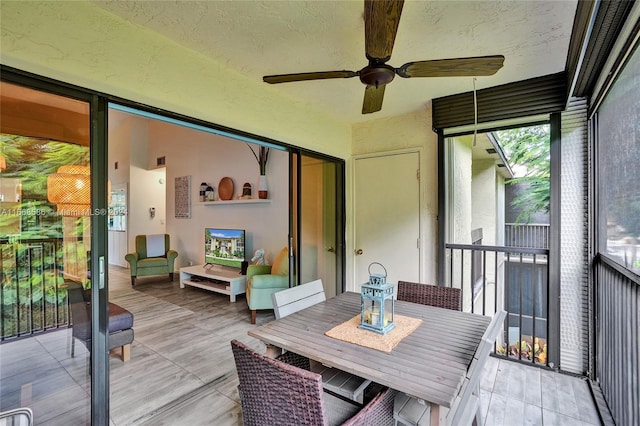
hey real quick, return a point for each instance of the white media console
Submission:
(214, 278)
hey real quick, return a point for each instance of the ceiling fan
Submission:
(381, 19)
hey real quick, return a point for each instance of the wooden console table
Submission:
(214, 278)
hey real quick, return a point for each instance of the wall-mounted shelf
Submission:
(220, 202)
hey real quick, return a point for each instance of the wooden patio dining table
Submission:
(430, 363)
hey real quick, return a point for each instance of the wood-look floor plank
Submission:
(204, 408)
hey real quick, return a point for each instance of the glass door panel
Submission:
(45, 238)
(319, 243)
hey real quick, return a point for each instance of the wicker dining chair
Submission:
(432, 295)
(273, 392)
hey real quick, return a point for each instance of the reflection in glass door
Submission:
(45, 238)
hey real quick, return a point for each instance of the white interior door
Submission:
(387, 216)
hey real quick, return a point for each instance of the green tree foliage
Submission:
(30, 278)
(31, 160)
(527, 149)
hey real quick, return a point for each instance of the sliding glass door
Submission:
(318, 221)
(46, 239)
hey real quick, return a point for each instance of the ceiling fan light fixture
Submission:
(377, 74)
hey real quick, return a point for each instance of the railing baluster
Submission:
(451, 258)
(472, 283)
(520, 310)
(30, 325)
(507, 299)
(495, 289)
(462, 275)
(484, 282)
(18, 319)
(534, 297)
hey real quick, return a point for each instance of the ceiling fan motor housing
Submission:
(377, 74)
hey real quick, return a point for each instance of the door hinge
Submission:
(418, 174)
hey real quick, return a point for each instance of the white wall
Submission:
(136, 142)
(119, 149)
(208, 158)
(129, 146)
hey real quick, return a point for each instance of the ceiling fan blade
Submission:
(373, 97)
(322, 75)
(459, 67)
(381, 19)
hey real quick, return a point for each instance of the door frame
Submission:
(553, 296)
(295, 208)
(351, 240)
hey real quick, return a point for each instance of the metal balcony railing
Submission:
(530, 235)
(514, 279)
(32, 299)
(617, 345)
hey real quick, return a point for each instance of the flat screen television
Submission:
(224, 247)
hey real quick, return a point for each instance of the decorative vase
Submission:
(263, 191)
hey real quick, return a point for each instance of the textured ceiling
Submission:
(257, 38)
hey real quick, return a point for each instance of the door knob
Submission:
(331, 250)
(359, 252)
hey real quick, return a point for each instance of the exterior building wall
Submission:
(459, 211)
(483, 199)
(500, 209)
(461, 199)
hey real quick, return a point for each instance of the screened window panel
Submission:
(618, 136)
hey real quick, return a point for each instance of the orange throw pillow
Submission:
(281, 263)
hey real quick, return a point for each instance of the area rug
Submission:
(349, 332)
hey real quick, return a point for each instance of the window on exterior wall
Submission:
(618, 138)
